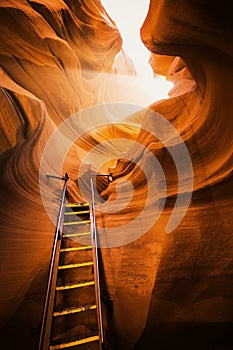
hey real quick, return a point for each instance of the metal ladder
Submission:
(73, 316)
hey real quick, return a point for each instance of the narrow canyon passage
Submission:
(72, 99)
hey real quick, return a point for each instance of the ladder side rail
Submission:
(57, 237)
(96, 263)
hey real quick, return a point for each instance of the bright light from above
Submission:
(129, 16)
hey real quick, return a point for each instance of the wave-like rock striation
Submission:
(61, 57)
(190, 303)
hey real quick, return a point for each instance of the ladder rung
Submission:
(76, 285)
(76, 205)
(77, 212)
(71, 266)
(67, 235)
(73, 249)
(74, 310)
(76, 222)
(75, 343)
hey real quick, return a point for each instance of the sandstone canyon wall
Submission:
(191, 301)
(57, 58)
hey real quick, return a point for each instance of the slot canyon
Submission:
(71, 102)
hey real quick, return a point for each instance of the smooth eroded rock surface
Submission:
(62, 57)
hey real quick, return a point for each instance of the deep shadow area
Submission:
(191, 336)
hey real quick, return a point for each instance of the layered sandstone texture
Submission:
(191, 300)
(60, 57)
(57, 58)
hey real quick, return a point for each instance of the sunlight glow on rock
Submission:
(129, 23)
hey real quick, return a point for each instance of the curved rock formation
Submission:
(168, 290)
(55, 60)
(192, 298)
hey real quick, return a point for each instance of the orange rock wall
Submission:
(190, 304)
(167, 289)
